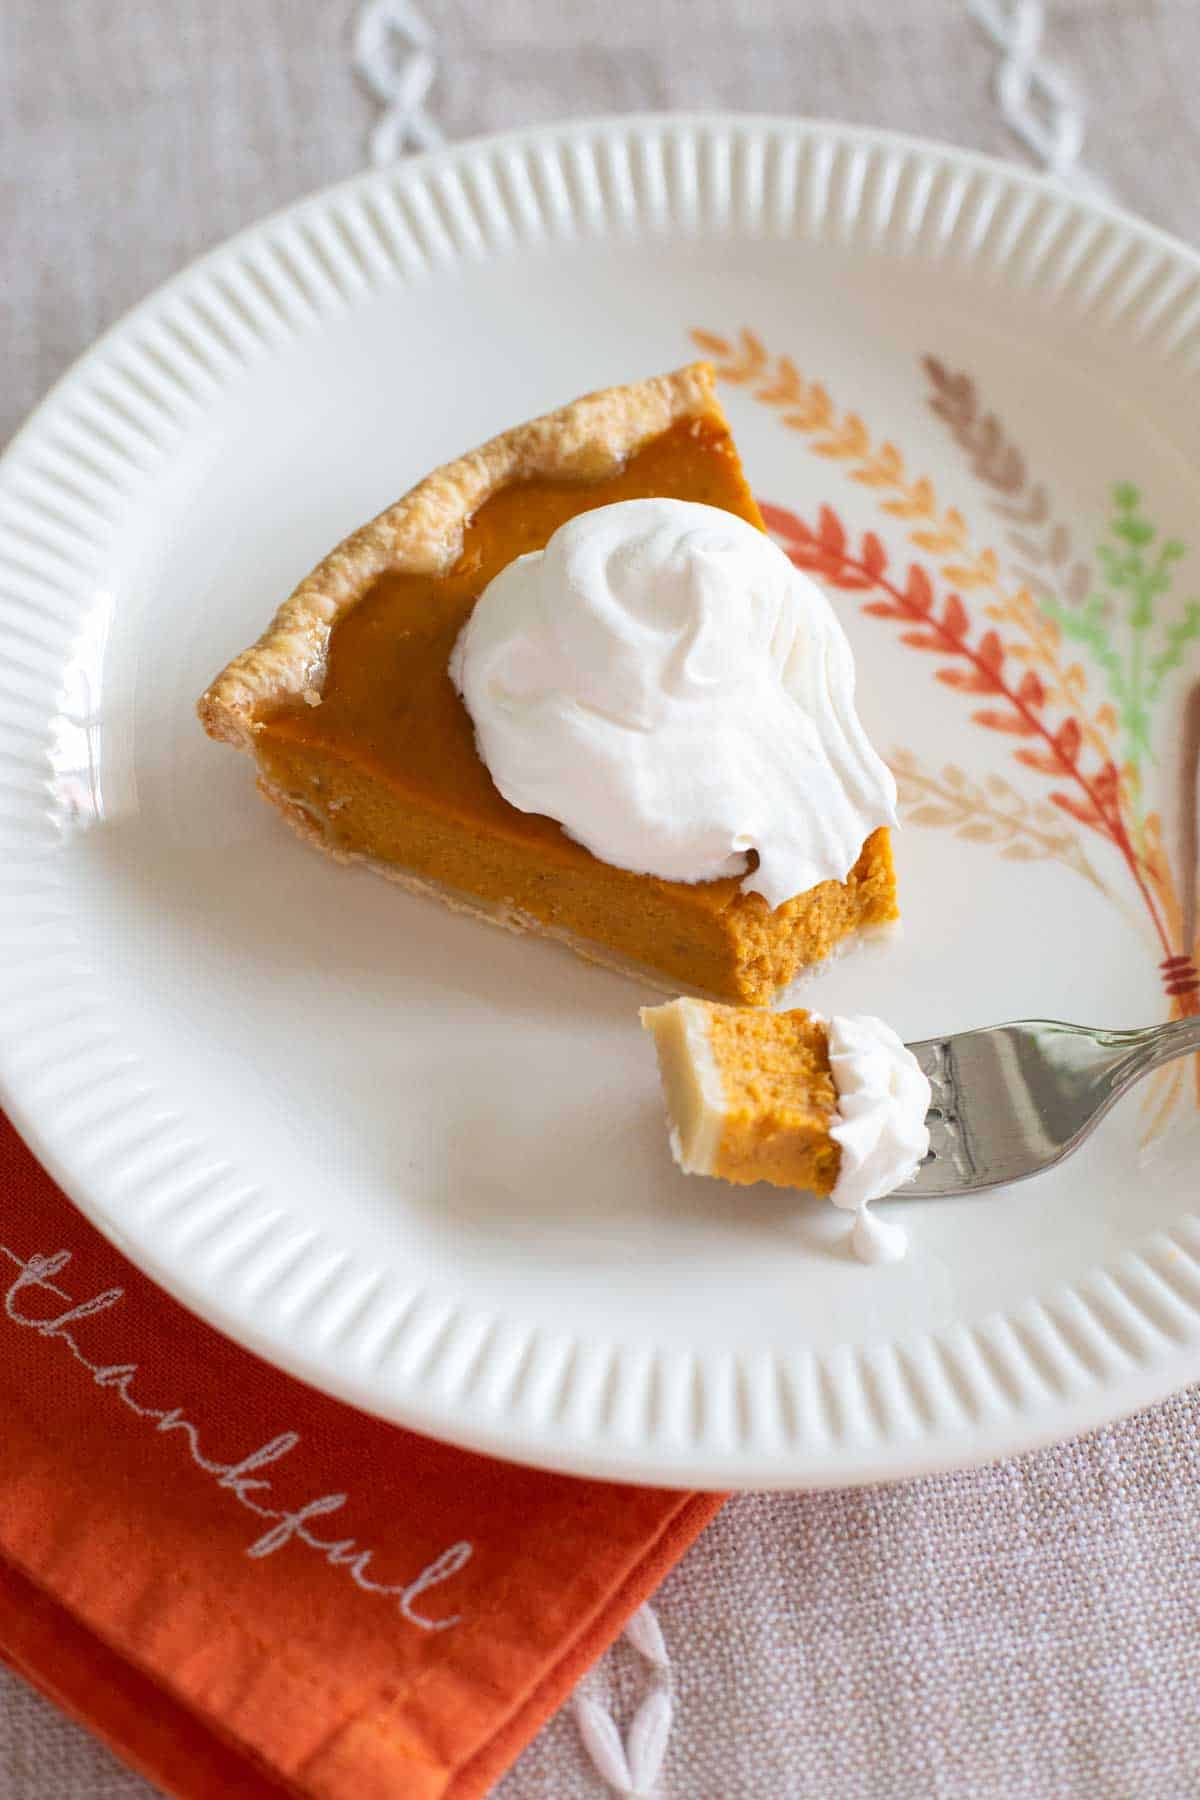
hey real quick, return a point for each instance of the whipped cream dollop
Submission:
(883, 1098)
(662, 681)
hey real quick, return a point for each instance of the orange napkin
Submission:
(250, 1590)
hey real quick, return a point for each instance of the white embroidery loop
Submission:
(631, 1767)
(602, 1741)
(394, 53)
(1039, 102)
(645, 1634)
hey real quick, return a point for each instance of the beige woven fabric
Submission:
(1029, 1630)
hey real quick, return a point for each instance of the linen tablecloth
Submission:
(1031, 1629)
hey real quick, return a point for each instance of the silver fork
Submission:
(1012, 1100)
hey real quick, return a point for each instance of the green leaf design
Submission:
(1185, 631)
(1088, 625)
(1117, 626)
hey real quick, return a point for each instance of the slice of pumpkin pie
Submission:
(569, 685)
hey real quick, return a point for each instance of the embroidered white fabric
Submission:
(631, 1765)
(394, 54)
(1040, 103)
(1013, 1633)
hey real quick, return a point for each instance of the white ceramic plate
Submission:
(421, 1163)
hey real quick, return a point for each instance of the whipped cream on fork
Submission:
(882, 1099)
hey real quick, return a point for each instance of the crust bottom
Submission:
(491, 912)
(308, 826)
(691, 1083)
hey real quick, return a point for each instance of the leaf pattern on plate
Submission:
(1029, 654)
(988, 811)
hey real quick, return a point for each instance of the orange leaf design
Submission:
(822, 405)
(787, 387)
(967, 575)
(851, 440)
(980, 573)
(753, 348)
(748, 360)
(886, 469)
(708, 340)
(918, 503)
(935, 541)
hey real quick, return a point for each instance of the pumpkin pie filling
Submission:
(750, 1095)
(385, 765)
(837, 1106)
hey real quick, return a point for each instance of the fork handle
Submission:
(1159, 1044)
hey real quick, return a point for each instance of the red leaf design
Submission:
(833, 538)
(1068, 739)
(955, 618)
(969, 680)
(1003, 721)
(971, 671)
(1081, 810)
(874, 556)
(991, 653)
(805, 556)
(1107, 786)
(919, 592)
(840, 575)
(785, 524)
(1041, 760)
